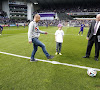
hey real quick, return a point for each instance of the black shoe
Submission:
(86, 57)
(50, 57)
(33, 60)
(96, 59)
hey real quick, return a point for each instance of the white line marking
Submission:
(68, 34)
(53, 62)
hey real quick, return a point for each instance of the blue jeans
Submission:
(37, 43)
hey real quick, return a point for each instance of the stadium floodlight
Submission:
(35, 3)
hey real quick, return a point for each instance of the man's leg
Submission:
(96, 48)
(89, 47)
(39, 43)
(34, 51)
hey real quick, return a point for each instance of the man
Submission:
(82, 28)
(33, 35)
(1, 29)
(92, 37)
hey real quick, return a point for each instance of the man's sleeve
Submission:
(31, 25)
(42, 32)
(88, 34)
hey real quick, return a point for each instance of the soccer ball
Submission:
(91, 72)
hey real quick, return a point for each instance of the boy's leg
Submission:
(60, 46)
(57, 45)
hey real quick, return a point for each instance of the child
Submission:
(59, 39)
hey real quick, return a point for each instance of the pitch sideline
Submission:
(52, 62)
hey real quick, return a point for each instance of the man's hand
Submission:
(87, 38)
(30, 42)
(46, 33)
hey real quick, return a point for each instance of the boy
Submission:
(59, 39)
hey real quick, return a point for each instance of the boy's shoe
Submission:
(50, 57)
(56, 53)
(33, 60)
(78, 34)
(60, 54)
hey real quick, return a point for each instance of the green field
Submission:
(21, 74)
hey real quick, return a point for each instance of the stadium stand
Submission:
(18, 12)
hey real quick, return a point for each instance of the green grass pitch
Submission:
(21, 74)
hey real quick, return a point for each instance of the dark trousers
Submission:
(58, 47)
(90, 44)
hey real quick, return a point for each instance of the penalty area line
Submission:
(52, 62)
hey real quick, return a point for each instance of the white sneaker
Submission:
(60, 54)
(78, 34)
(56, 53)
(0, 34)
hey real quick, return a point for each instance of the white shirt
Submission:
(96, 28)
(59, 36)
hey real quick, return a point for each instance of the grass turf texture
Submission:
(20, 74)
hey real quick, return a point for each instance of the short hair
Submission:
(36, 15)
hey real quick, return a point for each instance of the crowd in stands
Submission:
(4, 19)
(48, 23)
(69, 9)
(73, 23)
(79, 22)
(2, 13)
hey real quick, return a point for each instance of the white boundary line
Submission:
(52, 62)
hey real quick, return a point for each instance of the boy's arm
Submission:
(55, 38)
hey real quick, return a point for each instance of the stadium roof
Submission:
(56, 3)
